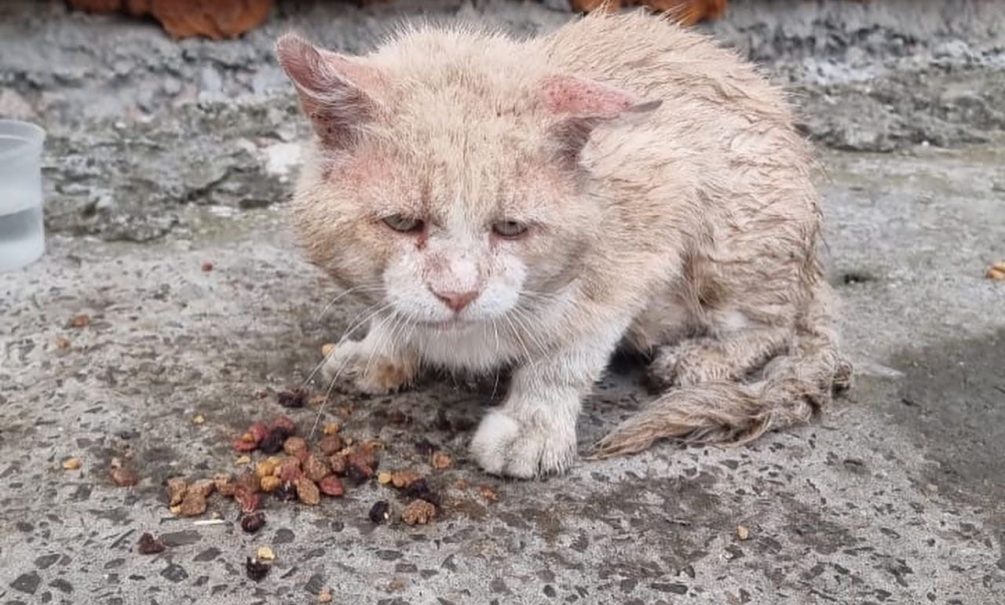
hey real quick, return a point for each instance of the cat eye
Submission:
(509, 229)
(403, 224)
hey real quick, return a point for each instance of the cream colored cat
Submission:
(537, 204)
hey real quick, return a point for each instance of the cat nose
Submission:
(456, 300)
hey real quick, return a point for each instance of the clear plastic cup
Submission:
(22, 233)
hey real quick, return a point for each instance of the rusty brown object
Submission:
(686, 12)
(215, 19)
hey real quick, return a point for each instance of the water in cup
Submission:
(22, 232)
(22, 235)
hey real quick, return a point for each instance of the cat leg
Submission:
(533, 432)
(725, 358)
(378, 364)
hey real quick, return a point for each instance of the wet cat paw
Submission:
(353, 367)
(503, 445)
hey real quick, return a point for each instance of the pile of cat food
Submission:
(283, 465)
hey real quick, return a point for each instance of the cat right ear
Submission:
(333, 89)
(578, 105)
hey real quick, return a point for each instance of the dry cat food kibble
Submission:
(293, 398)
(996, 271)
(256, 569)
(71, 464)
(331, 486)
(124, 477)
(742, 532)
(252, 522)
(380, 512)
(283, 466)
(150, 545)
(176, 489)
(307, 491)
(418, 512)
(265, 553)
(441, 460)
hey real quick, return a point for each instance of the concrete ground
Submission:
(164, 156)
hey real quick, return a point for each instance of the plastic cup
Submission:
(22, 233)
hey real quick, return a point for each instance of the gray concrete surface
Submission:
(183, 156)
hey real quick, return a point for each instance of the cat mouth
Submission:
(446, 325)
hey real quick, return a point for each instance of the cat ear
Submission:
(335, 91)
(579, 105)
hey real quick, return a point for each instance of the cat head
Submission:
(444, 178)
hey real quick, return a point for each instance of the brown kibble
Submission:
(267, 467)
(207, 266)
(245, 443)
(327, 349)
(203, 487)
(248, 480)
(488, 493)
(330, 444)
(442, 460)
(362, 461)
(403, 479)
(293, 398)
(289, 470)
(176, 488)
(246, 498)
(284, 423)
(294, 445)
(742, 532)
(72, 464)
(270, 484)
(315, 468)
(253, 522)
(325, 596)
(259, 431)
(124, 477)
(418, 512)
(198, 419)
(383, 477)
(996, 271)
(150, 545)
(307, 491)
(80, 321)
(193, 505)
(358, 471)
(62, 343)
(331, 486)
(332, 428)
(339, 463)
(224, 484)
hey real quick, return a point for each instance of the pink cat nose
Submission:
(456, 300)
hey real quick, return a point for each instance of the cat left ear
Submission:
(335, 91)
(579, 105)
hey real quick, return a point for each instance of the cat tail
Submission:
(794, 388)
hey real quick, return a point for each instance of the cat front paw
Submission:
(352, 365)
(503, 445)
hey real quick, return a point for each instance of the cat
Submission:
(620, 182)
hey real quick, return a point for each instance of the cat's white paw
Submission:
(351, 364)
(503, 445)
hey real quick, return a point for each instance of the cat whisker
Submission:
(341, 340)
(369, 288)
